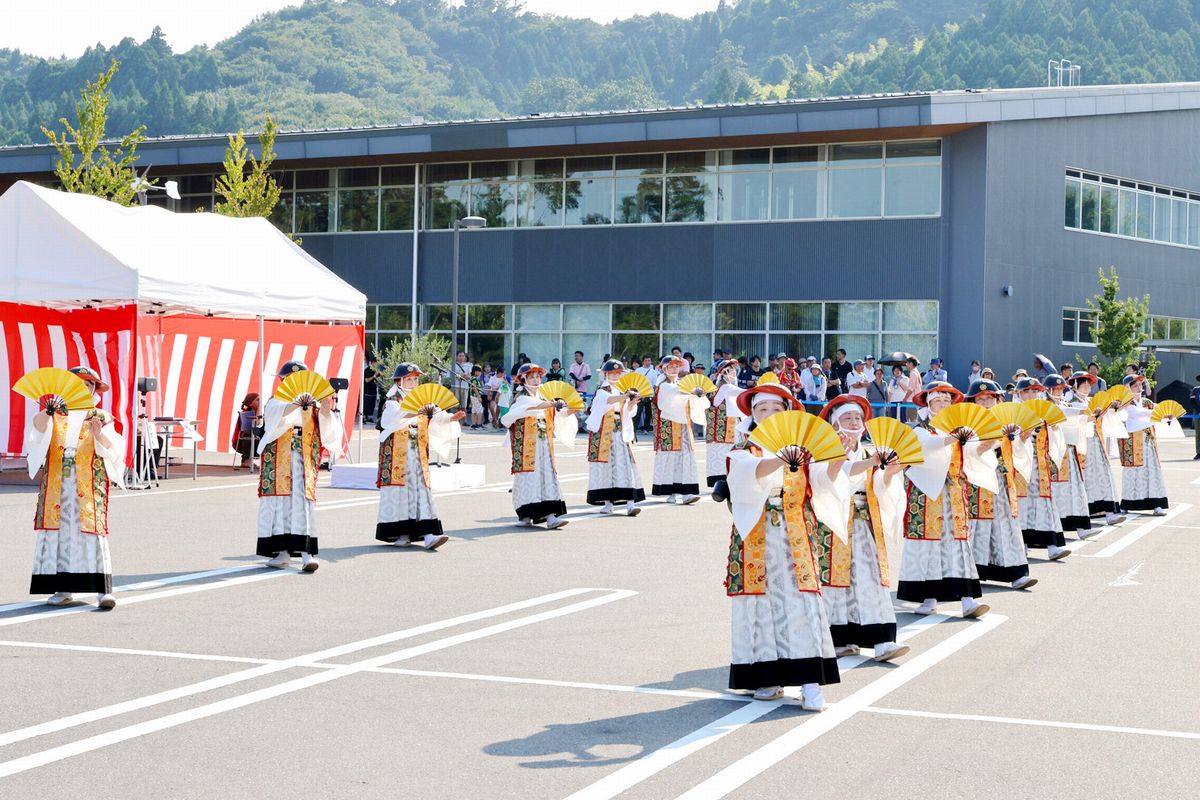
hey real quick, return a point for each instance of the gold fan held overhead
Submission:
(1049, 413)
(561, 394)
(767, 377)
(634, 382)
(55, 390)
(1167, 409)
(1099, 402)
(304, 388)
(428, 399)
(1121, 396)
(696, 381)
(967, 421)
(1015, 418)
(895, 442)
(798, 438)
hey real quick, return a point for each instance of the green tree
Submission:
(248, 187)
(424, 351)
(84, 164)
(1119, 328)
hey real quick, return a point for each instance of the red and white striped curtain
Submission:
(206, 365)
(35, 336)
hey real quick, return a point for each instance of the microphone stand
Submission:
(458, 441)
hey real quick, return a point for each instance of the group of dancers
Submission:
(815, 552)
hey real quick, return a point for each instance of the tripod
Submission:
(145, 472)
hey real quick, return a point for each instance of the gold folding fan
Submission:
(561, 390)
(767, 377)
(797, 438)
(1166, 409)
(967, 421)
(304, 388)
(66, 390)
(635, 382)
(1015, 418)
(1099, 402)
(895, 442)
(1121, 395)
(696, 381)
(428, 399)
(1047, 411)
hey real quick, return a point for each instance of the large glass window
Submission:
(1072, 203)
(358, 209)
(540, 204)
(630, 346)
(795, 316)
(744, 346)
(688, 316)
(851, 316)
(1108, 209)
(396, 208)
(1127, 224)
(1091, 203)
(593, 345)
(395, 318)
(743, 184)
(1162, 218)
(856, 345)
(489, 317)
(1179, 223)
(638, 200)
(495, 202)
(540, 347)
(446, 194)
(1145, 215)
(797, 182)
(913, 178)
(538, 318)
(635, 317)
(585, 317)
(314, 212)
(855, 172)
(489, 348)
(922, 345)
(1193, 224)
(795, 345)
(741, 316)
(691, 198)
(910, 315)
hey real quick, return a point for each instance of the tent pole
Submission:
(415, 233)
(362, 405)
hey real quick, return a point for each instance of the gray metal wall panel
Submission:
(38, 163)
(377, 264)
(838, 120)
(336, 148)
(755, 124)
(209, 154)
(899, 116)
(541, 137)
(384, 145)
(1051, 267)
(611, 132)
(684, 128)
(964, 201)
(289, 149)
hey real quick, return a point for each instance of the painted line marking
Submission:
(604, 687)
(141, 598)
(652, 763)
(746, 768)
(1127, 578)
(124, 651)
(1133, 536)
(1196, 481)
(373, 498)
(169, 695)
(154, 584)
(1041, 723)
(91, 743)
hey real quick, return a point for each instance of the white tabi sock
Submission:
(608, 507)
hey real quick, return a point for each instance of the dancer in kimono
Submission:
(612, 471)
(721, 420)
(857, 576)
(406, 511)
(1143, 487)
(780, 628)
(534, 425)
(1066, 482)
(1041, 525)
(80, 455)
(1097, 477)
(287, 483)
(674, 456)
(994, 480)
(938, 565)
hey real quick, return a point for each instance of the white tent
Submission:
(63, 249)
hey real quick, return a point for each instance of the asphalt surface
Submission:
(586, 662)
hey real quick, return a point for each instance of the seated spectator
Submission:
(243, 433)
(555, 373)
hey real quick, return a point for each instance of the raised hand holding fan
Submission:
(634, 383)
(304, 388)
(1049, 412)
(967, 421)
(1167, 409)
(798, 438)
(895, 442)
(55, 390)
(428, 399)
(1015, 418)
(562, 394)
(697, 384)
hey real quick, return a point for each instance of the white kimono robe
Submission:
(716, 453)
(536, 494)
(408, 511)
(675, 469)
(616, 479)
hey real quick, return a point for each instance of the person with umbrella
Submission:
(1042, 367)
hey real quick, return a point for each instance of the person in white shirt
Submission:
(460, 374)
(858, 380)
(655, 376)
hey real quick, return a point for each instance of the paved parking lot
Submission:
(588, 662)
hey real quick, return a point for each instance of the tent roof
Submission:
(58, 248)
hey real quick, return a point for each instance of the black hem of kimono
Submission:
(713, 480)
(944, 590)
(668, 489)
(539, 511)
(1144, 504)
(53, 582)
(293, 543)
(999, 574)
(615, 494)
(414, 529)
(784, 672)
(1076, 523)
(1043, 539)
(1098, 508)
(862, 635)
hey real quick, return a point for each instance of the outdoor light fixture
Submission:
(1007, 290)
(142, 186)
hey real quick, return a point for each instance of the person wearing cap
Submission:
(406, 511)
(1066, 478)
(613, 475)
(1143, 487)
(534, 426)
(674, 455)
(1097, 477)
(869, 360)
(857, 576)
(293, 435)
(936, 372)
(721, 420)
(994, 479)
(80, 455)
(857, 380)
(789, 377)
(780, 628)
(938, 564)
(1041, 527)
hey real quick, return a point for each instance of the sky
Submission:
(68, 27)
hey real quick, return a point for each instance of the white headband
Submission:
(844, 408)
(762, 397)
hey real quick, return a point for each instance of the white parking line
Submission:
(744, 769)
(102, 740)
(1125, 541)
(373, 498)
(1040, 723)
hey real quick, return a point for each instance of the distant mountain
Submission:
(337, 63)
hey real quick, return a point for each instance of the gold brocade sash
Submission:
(393, 455)
(600, 443)
(668, 436)
(876, 519)
(721, 427)
(275, 477)
(1132, 450)
(923, 518)
(1011, 476)
(91, 482)
(1041, 446)
(524, 437)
